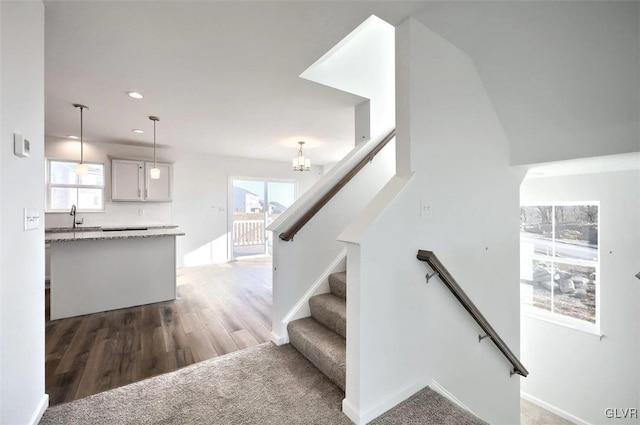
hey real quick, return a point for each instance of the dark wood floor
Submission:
(219, 309)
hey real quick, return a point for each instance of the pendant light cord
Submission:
(154, 119)
(82, 108)
(154, 144)
(81, 136)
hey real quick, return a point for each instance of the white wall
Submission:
(362, 122)
(200, 200)
(574, 371)
(408, 333)
(363, 64)
(299, 263)
(200, 194)
(22, 396)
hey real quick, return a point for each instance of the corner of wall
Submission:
(453, 141)
(22, 383)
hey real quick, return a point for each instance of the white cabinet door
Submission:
(127, 180)
(159, 190)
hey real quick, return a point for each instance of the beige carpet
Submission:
(261, 385)
(531, 414)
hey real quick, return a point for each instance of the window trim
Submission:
(569, 322)
(49, 186)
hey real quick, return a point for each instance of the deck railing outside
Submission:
(248, 232)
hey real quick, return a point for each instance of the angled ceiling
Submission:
(563, 76)
(222, 76)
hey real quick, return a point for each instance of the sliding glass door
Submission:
(256, 203)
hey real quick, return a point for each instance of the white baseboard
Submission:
(360, 418)
(351, 411)
(435, 386)
(42, 406)
(279, 339)
(553, 409)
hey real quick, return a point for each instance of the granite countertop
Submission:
(100, 228)
(110, 235)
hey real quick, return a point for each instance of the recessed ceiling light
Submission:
(137, 130)
(134, 94)
(73, 137)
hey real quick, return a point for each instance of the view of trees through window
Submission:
(559, 260)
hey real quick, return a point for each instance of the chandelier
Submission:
(300, 163)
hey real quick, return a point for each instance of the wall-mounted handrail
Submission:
(456, 290)
(288, 234)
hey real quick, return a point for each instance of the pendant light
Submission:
(82, 169)
(300, 163)
(154, 173)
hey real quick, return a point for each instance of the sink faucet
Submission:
(73, 213)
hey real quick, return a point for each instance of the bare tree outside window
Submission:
(559, 260)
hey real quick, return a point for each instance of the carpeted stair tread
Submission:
(338, 284)
(321, 346)
(331, 311)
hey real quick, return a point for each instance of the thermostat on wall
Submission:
(21, 146)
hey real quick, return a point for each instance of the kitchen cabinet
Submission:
(127, 180)
(108, 270)
(159, 190)
(130, 181)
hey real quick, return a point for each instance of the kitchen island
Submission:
(94, 271)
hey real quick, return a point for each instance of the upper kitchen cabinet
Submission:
(159, 190)
(127, 180)
(130, 181)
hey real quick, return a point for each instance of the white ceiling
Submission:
(222, 76)
(595, 165)
(562, 75)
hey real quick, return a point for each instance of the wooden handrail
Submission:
(288, 234)
(466, 302)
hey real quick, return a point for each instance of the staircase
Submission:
(321, 337)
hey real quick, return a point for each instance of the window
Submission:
(559, 270)
(66, 188)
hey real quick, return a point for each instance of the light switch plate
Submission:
(31, 219)
(21, 146)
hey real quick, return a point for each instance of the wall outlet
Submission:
(31, 219)
(425, 209)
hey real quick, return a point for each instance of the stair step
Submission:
(321, 346)
(331, 311)
(338, 284)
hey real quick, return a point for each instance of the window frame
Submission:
(534, 312)
(49, 186)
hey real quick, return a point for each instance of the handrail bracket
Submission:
(516, 372)
(448, 280)
(431, 275)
